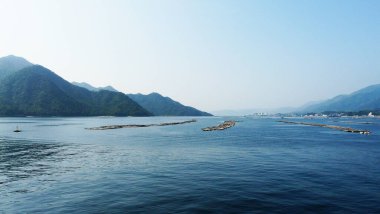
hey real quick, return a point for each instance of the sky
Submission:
(210, 54)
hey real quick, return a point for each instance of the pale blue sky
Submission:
(209, 54)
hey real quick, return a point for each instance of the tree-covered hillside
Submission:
(165, 106)
(37, 91)
(365, 99)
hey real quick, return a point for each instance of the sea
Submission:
(56, 165)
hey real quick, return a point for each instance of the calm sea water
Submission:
(258, 166)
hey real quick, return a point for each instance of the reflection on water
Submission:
(57, 166)
(60, 124)
(23, 159)
(17, 122)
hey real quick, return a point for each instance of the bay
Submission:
(260, 165)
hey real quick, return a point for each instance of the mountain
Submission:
(108, 88)
(165, 106)
(365, 99)
(154, 103)
(92, 88)
(242, 112)
(11, 64)
(37, 91)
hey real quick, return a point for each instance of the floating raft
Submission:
(140, 125)
(340, 128)
(223, 126)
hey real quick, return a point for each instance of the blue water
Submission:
(258, 166)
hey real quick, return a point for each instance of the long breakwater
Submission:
(340, 128)
(140, 125)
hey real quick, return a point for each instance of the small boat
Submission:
(17, 130)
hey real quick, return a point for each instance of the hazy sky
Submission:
(209, 54)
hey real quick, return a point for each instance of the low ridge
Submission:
(165, 106)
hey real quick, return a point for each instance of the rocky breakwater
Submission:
(340, 128)
(223, 126)
(140, 125)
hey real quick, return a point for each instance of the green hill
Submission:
(365, 99)
(165, 106)
(28, 89)
(37, 91)
(10, 64)
(92, 88)
(155, 103)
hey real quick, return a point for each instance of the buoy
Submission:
(17, 130)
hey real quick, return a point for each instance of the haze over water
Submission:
(213, 55)
(224, 57)
(260, 165)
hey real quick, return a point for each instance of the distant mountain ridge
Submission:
(155, 103)
(243, 112)
(11, 64)
(92, 88)
(367, 98)
(165, 106)
(37, 91)
(33, 90)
